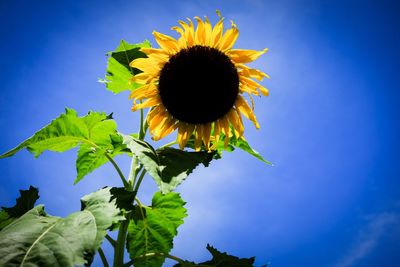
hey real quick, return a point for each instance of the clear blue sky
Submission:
(330, 124)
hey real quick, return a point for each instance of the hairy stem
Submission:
(111, 240)
(120, 246)
(142, 131)
(140, 180)
(103, 258)
(121, 175)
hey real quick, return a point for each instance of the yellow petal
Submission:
(178, 30)
(206, 134)
(185, 130)
(216, 135)
(153, 112)
(168, 126)
(166, 42)
(154, 51)
(142, 78)
(146, 91)
(224, 123)
(252, 73)
(146, 65)
(207, 31)
(244, 108)
(228, 39)
(146, 104)
(155, 116)
(250, 83)
(244, 56)
(197, 137)
(236, 122)
(216, 34)
(158, 121)
(182, 39)
(243, 88)
(189, 31)
(200, 32)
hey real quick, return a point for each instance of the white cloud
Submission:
(369, 237)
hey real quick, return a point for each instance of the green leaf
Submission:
(244, 145)
(95, 133)
(233, 143)
(126, 52)
(89, 158)
(63, 133)
(176, 165)
(124, 198)
(168, 166)
(105, 211)
(5, 219)
(118, 70)
(145, 153)
(25, 202)
(220, 259)
(153, 229)
(37, 239)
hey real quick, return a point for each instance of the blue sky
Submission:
(330, 124)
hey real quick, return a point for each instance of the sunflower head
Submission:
(197, 83)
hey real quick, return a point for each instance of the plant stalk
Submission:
(119, 250)
(103, 258)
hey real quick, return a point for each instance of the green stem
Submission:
(123, 229)
(133, 172)
(139, 180)
(111, 240)
(103, 258)
(142, 126)
(120, 246)
(121, 175)
(156, 254)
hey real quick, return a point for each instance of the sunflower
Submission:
(197, 83)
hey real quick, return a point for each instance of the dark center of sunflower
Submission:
(199, 85)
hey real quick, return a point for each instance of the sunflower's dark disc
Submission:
(199, 85)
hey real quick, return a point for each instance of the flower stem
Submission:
(142, 131)
(121, 175)
(139, 181)
(111, 240)
(120, 245)
(133, 172)
(103, 258)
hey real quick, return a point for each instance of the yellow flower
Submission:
(196, 84)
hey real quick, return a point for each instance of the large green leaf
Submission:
(25, 202)
(95, 133)
(220, 259)
(118, 69)
(104, 209)
(168, 166)
(63, 133)
(176, 165)
(153, 228)
(123, 198)
(145, 153)
(37, 239)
